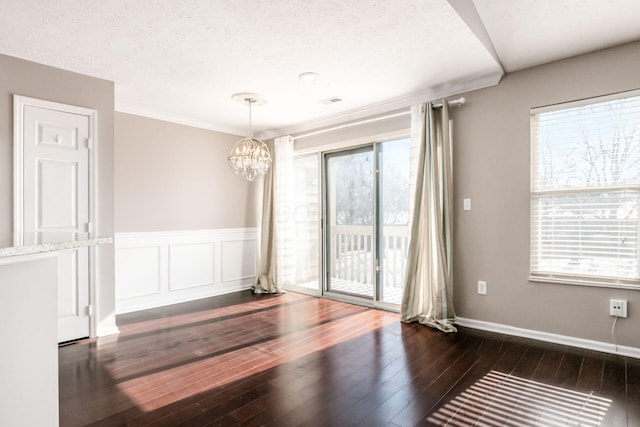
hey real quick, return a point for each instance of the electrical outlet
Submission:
(618, 307)
(482, 287)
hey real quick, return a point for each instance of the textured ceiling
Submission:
(182, 60)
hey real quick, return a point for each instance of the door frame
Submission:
(20, 102)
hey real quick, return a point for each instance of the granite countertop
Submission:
(35, 243)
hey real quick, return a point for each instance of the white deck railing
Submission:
(352, 252)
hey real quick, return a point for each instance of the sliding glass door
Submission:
(350, 243)
(367, 221)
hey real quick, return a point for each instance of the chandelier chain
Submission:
(250, 101)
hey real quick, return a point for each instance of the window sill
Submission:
(593, 283)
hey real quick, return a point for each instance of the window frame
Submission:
(560, 277)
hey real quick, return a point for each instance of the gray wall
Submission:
(491, 166)
(176, 177)
(39, 81)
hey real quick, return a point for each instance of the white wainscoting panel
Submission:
(161, 268)
(238, 260)
(191, 264)
(139, 269)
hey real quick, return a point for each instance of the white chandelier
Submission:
(249, 158)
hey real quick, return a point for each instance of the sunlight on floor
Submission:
(206, 313)
(226, 357)
(500, 399)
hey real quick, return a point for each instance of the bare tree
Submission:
(354, 196)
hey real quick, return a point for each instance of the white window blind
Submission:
(585, 192)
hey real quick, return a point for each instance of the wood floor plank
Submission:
(443, 380)
(295, 360)
(467, 400)
(568, 372)
(614, 388)
(590, 376)
(633, 391)
(548, 366)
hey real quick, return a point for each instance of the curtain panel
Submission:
(428, 291)
(277, 232)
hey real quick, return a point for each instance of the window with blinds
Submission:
(585, 192)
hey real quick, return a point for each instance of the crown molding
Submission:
(174, 118)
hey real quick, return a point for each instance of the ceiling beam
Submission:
(467, 11)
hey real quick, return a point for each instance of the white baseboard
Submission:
(155, 269)
(123, 307)
(546, 336)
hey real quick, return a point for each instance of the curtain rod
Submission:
(458, 102)
(454, 102)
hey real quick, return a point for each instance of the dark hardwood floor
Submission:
(291, 359)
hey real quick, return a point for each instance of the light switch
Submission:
(467, 204)
(482, 287)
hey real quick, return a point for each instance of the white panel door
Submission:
(56, 203)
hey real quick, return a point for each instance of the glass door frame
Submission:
(326, 227)
(378, 227)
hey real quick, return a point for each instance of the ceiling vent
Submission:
(331, 100)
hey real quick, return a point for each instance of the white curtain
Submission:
(428, 292)
(276, 264)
